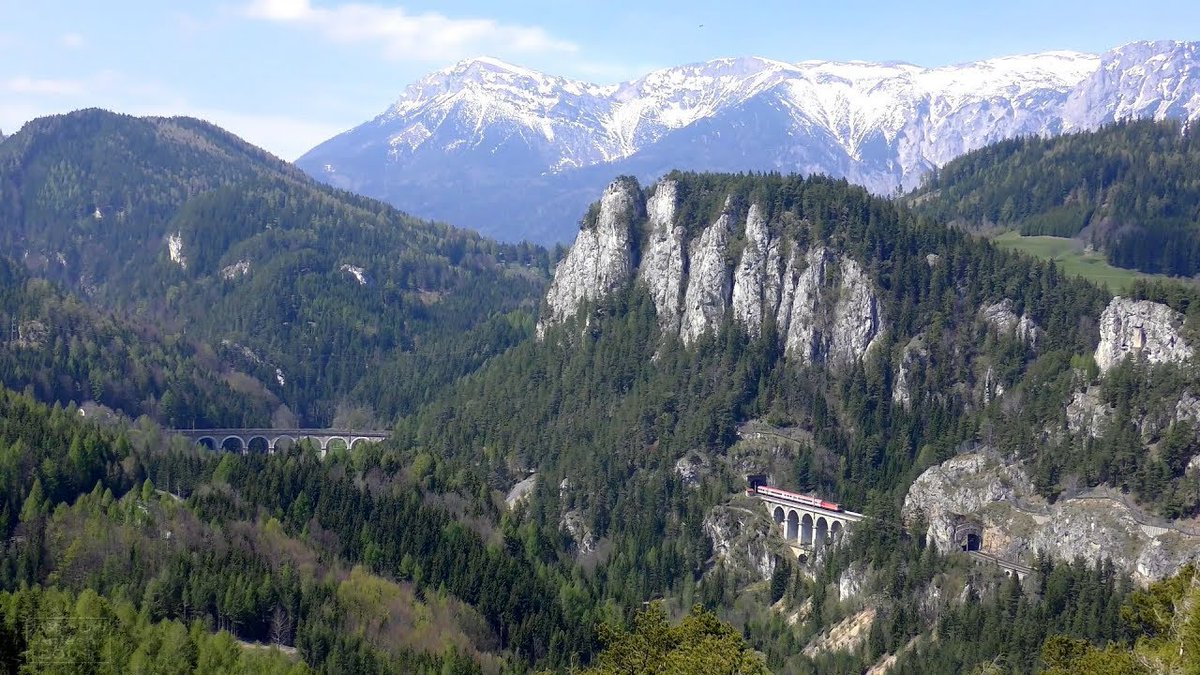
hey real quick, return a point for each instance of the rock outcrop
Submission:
(692, 468)
(520, 491)
(824, 304)
(1086, 413)
(1003, 317)
(661, 269)
(756, 281)
(601, 259)
(740, 537)
(913, 358)
(580, 532)
(1140, 327)
(1016, 523)
(708, 288)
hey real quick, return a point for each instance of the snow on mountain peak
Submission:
(879, 124)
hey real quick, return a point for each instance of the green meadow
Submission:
(1073, 259)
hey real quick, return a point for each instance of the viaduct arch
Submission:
(240, 440)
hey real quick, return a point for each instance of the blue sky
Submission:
(286, 74)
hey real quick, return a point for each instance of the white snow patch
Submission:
(279, 377)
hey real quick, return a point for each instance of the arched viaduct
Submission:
(806, 521)
(217, 439)
(809, 522)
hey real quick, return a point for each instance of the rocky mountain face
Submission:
(996, 493)
(516, 154)
(823, 303)
(1015, 523)
(1144, 328)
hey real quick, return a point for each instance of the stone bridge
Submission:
(803, 520)
(217, 439)
(808, 522)
(1009, 567)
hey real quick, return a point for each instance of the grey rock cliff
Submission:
(1017, 523)
(1003, 317)
(1140, 327)
(600, 260)
(855, 316)
(825, 305)
(913, 358)
(829, 309)
(708, 288)
(662, 263)
(1086, 413)
(740, 538)
(753, 296)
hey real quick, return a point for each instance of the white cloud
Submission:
(43, 86)
(72, 41)
(427, 37)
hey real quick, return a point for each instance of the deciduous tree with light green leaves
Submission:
(700, 643)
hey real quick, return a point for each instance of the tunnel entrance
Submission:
(973, 542)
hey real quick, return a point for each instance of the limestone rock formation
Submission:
(825, 304)
(853, 581)
(828, 310)
(1141, 327)
(756, 280)
(581, 533)
(960, 486)
(740, 536)
(1016, 523)
(708, 288)
(661, 268)
(1086, 413)
(1003, 317)
(913, 357)
(520, 491)
(600, 260)
(855, 316)
(692, 468)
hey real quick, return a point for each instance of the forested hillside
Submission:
(60, 349)
(1131, 189)
(188, 231)
(702, 329)
(608, 406)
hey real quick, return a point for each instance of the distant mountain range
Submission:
(518, 154)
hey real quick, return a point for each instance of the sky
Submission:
(288, 74)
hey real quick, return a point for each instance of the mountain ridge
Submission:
(473, 142)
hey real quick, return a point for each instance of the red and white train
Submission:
(793, 496)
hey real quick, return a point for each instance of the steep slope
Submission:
(498, 133)
(710, 327)
(184, 227)
(1130, 189)
(60, 349)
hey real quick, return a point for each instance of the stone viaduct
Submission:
(803, 520)
(808, 522)
(217, 439)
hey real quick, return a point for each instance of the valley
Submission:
(758, 417)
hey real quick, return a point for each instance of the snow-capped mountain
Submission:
(519, 154)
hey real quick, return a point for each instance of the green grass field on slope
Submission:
(1073, 259)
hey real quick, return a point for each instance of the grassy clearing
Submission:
(1073, 259)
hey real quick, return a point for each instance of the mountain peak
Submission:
(882, 125)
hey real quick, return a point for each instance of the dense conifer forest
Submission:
(1131, 189)
(126, 544)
